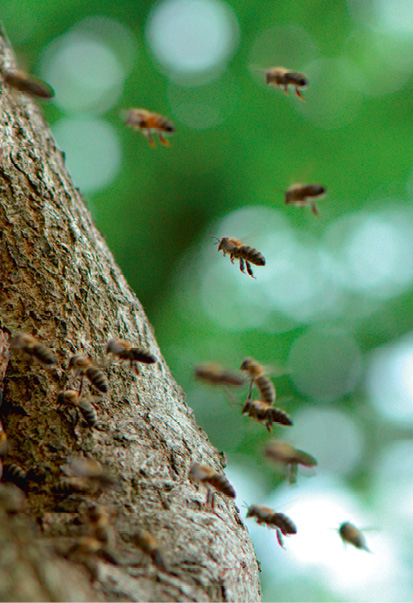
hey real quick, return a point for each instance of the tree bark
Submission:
(59, 282)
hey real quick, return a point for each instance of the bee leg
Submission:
(134, 367)
(163, 140)
(298, 93)
(292, 477)
(148, 135)
(279, 538)
(231, 257)
(242, 265)
(269, 422)
(314, 209)
(286, 89)
(81, 385)
(210, 501)
(249, 269)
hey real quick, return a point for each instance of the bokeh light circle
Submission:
(191, 37)
(92, 148)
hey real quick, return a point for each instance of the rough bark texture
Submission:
(60, 283)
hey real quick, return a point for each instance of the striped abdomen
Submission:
(88, 411)
(97, 377)
(220, 482)
(42, 353)
(276, 415)
(266, 388)
(296, 79)
(251, 255)
(286, 525)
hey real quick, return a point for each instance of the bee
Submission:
(147, 123)
(244, 253)
(207, 476)
(282, 78)
(85, 366)
(216, 374)
(349, 533)
(88, 411)
(262, 412)
(263, 383)
(28, 84)
(72, 485)
(285, 454)
(125, 351)
(87, 546)
(4, 444)
(149, 545)
(32, 347)
(282, 524)
(304, 194)
(90, 469)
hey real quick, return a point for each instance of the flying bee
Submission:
(208, 476)
(85, 366)
(32, 347)
(88, 411)
(262, 412)
(285, 454)
(304, 194)
(349, 533)
(28, 84)
(244, 253)
(90, 469)
(126, 351)
(257, 377)
(282, 78)
(282, 524)
(149, 545)
(147, 123)
(217, 375)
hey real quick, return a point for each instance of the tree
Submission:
(60, 283)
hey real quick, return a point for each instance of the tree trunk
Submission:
(59, 282)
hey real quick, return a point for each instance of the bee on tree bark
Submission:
(150, 546)
(209, 477)
(32, 347)
(84, 366)
(124, 350)
(86, 408)
(27, 84)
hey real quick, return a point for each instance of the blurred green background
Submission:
(330, 313)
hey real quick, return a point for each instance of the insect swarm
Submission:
(84, 366)
(284, 454)
(303, 195)
(349, 533)
(280, 77)
(27, 84)
(124, 350)
(148, 123)
(32, 347)
(209, 477)
(244, 253)
(266, 516)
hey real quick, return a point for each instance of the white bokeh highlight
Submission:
(192, 37)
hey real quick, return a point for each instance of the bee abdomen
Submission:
(69, 485)
(97, 377)
(141, 356)
(221, 483)
(286, 525)
(266, 389)
(279, 416)
(15, 474)
(252, 255)
(89, 412)
(43, 354)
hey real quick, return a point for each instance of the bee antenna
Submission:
(216, 238)
(246, 505)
